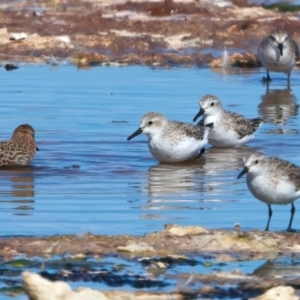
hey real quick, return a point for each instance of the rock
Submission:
(294, 248)
(38, 288)
(173, 229)
(161, 265)
(141, 247)
(245, 59)
(239, 60)
(18, 36)
(89, 294)
(207, 290)
(79, 256)
(64, 38)
(278, 293)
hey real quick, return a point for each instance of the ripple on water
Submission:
(88, 177)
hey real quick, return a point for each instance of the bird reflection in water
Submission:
(220, 160)
(184, 186)
(164, 179)
(171, 187)
(278, 106)
(19, 191)
(280, 268)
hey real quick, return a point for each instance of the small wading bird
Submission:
(278, 53)
(272, 181)
(230, 129)
(20, 149)
(172, 141)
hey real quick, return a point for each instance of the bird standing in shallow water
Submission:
(272, 181)
(20, 149)
(172, 141)
(230, 129)
(278, 53)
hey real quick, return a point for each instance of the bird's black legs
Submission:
(270, 215)
(293, 209)
(292, 216)
(267, 79)
(201, 154)
(288, 80)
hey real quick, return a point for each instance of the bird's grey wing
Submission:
(195, 131)
(243, 126)
(285, 168)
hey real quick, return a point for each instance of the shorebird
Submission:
(172, 141)
(272, 181)
(278, 53)
(229, 129)
(20, 149)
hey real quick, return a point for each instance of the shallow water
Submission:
(185, 274)
(115, 272)
(88, 177)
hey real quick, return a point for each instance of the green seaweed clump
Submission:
(281, 6)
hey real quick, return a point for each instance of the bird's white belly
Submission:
(222, 138)
(172, 151)
(276, 63)
(270, 191)
(277, 66)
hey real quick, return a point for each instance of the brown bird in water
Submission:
(20, 149)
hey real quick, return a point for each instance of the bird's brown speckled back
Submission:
(20, 149)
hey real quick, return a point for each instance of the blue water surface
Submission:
(88, 178)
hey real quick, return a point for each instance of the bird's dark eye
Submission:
(272, 38)
(150, 123)
(256, 161)
(212, 104)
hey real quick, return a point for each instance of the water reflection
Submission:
(282, 268)
(22, 193)
(278, 106)
(115, 182)
(172, 187)
(164, 179)
(222, 160)
(184, 186)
